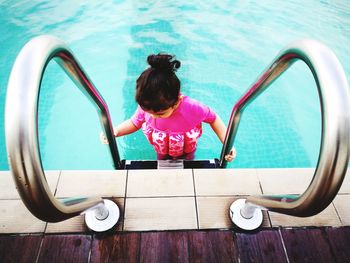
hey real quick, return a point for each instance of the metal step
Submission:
(171, 164)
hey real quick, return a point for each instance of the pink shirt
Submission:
(178, 133)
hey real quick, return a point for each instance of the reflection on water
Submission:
(223, 47)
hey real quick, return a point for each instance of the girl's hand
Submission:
(232, 155)
(103, 138)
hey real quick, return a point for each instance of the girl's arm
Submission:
(219, 128)
(124, 128)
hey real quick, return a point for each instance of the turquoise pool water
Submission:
(223, 47)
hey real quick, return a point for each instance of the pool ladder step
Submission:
(171, 164)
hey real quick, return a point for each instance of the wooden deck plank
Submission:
(120, 247)
(19, 248)
(307, 245)
(212, 246)
(263, 246)
(339, 239)
(65, 248)
(164, 247)
(302, 245)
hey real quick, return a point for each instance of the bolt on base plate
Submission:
(245, 223)
(110, 221)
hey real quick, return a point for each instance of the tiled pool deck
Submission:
(190, 199)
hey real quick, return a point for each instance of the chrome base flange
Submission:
(245, 223)
(102, 218)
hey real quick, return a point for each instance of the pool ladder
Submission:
(21, 131)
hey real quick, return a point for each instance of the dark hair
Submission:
(158, 87)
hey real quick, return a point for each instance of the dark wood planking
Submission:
(164, 247)
(65, 248)
(302, 245)
(307, 245)
(212, 246)
(339, 239)
(19, 248)
(263, 246)
(120, 247)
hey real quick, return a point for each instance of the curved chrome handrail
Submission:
(21, 126)
(334, 98)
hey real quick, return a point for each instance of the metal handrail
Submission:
(334, 98)
(21, 126)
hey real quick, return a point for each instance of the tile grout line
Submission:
(195, 198)
(58, 180)
(54, 194)
(260, 186)
(262, 192)
(11, 199)
(269, 217)
(336, 211)
(45, 228)
(161, 196)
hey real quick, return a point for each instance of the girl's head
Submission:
(158, 88)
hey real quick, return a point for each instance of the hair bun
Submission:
(163, 62)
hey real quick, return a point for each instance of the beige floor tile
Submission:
(143, 214)
(16, 218)
(52, 178)
(92, 183)
(342, 205)
(160, 183)
(327, 217)
(72, 225)
(77, 224)
(214, 182)
(285, 181)
(213, 212)
(345, 188)
(8, 187)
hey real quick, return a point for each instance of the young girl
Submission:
(171, 121)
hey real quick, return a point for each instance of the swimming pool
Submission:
(223, 47)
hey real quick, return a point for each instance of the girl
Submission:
(171, 121)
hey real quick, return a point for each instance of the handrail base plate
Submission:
(106, 224)
(245, 223)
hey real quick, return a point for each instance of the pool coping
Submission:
(156, 200)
